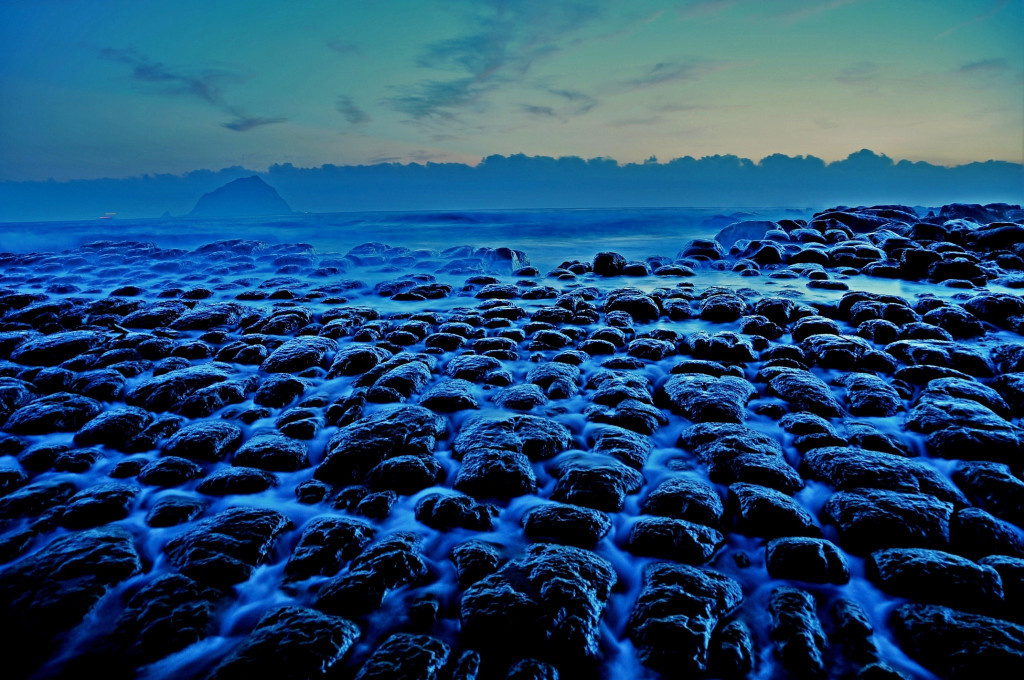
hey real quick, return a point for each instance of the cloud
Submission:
(344, 47)
(350, 111)
(242, 123)
(505, 41)
(859, 73)
(701, 8)
(784, 10)
(983, 67)
(673, 71)
(206, 85)
(996, 9)
(539, 111)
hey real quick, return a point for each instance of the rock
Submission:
(869, 395)
(61, 412)
(165, 392)
(395, 560)
(869, 519)
(204, 441)
(392, 431)
(744, 230)
(595, 482)
(405, 379)
(624, 445)
(547, 602)
(975, 533)
(279, 390)
(799, 640)
(225, 549)
(566, 524)
(849, 469)
(722, 308)
(532, 669)
(558, 380)
(236, 480)
(404, 655)
(443, 511)
(702, 398)
(609, 264)
(244, 196)
(959, 645)
(327, 544)
(495, 473)
(52, 590)
(806, 559)
(520, 397)
(206, 317)
(537, 437)
(98, 505)
(299, 354)
(686, 498)
(836, 351)
(734, 655)
(450, 396)
(357, 360)
(961, 428)
(166, 615)
(640, 306)
(171, 511)
(806, 392)
(50, 350)
(114, 428)
(936, 577)
(761, 511)
(957, 388)
(170, 471)
(740, 454)
(290, 643)
(272, 452)
(674, 539)
(675, 614)
(994, 487)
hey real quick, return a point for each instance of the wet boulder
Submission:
(168, 471)
(806, 559)
(357, 359)
(98, 505)
(722, 307)
(225, 549)
(703, 398)
(392, 431)
(959, 645)
(205, 441)
(566, 524)
(171, 511)
(165, 392)
(870, 519)
(869, 395)
(405, 379)
(549, 601)
(640, 306)
(994, 487)
(114, 428)
(936, 577)
(299, 354)
(236, 481)
(327, 544)
(60, 412)
(445, 511)
(536, 437)
(624, 445)
(595, 482)
(449, 396)
(166, 615)
(673, 539)
(806, 392)
(50, 350)
(734, 453)
(686, 498)
(799, 639)
(406, 655)
(609, 264)
(558, 380)
(761, 511)
(290, 643)
(966, 429)
(849, 469)
(678, 609)
(495, 473)
(520, 397)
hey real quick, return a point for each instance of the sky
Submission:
(118, 88)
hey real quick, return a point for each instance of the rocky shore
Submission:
(792, 450)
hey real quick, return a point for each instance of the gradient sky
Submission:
(94, 88)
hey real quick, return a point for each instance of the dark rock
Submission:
(396, 560)
(279, 390)
(870, 519)
(473, 561)
(674, 539)
(520, 397)
(536, 437)
(548, 602)
(936, 577)
(206, 441)
(392, 431)
(326, 545)
(61, 412)
(226, 548)
(994, 487)
(404, 656)
(292, 643)
(495, 473)
(236, 480)
(450, 396)
(869, 395)
(686, 498)
(170, 471)
(272, 452)
(443, 511)
(357, 359)
(97, 505)
(622, 444)
(596, 482)
(806, 559)
(722, 308)
(50, 350)
(675, 614)
(959, 645)
(848, 469)
(702, 398)
(806, 392)
(640, 306)
(299, 354)
(975, 533)
(799, 640)
(166, 615)
(734, 654)
(609, 264)
(165, 392)
(114, 428)
(740, 454)
(566, 524)
(171, 511)
(761, 511)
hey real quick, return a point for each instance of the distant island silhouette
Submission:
(245, 197)
(520, 181)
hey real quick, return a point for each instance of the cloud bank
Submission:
(520, 181)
